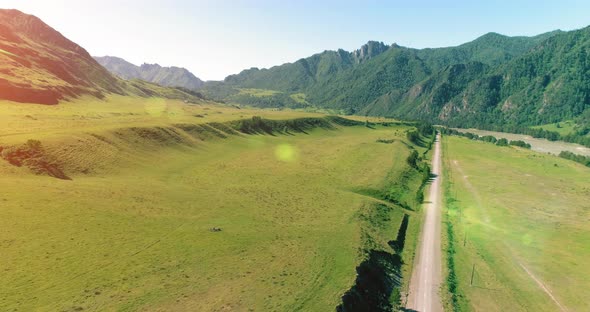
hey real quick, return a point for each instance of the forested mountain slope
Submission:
(549, 83)
(493, 80)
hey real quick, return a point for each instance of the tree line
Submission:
(584, 160)
(486, 138)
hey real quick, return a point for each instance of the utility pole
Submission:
(472, 271)
(465, 239)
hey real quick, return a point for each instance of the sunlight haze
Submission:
(214, 39)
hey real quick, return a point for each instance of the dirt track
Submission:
(426, 278)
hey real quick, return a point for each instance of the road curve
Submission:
(426, 277)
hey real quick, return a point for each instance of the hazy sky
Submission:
(216, 38)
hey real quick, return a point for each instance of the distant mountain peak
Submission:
(34, 28)
(148, 65)
(493, 34)
(166, 76)
(369, 50)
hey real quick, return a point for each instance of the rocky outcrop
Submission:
(165, 76)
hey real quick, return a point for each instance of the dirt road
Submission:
(426, 278)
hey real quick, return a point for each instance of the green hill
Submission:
(549, 83)
(491, 48)
(493, 81)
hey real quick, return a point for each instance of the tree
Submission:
(413, 136)
(502, 142)
(520, 143)
(413, 159)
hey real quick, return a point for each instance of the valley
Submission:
(361, 180)
(132, 229)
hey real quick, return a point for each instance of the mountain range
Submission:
(492, 80)
(40, 65)
(165, 76)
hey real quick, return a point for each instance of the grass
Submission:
(91, 114)
(511, 211)
(258, 92)
(563, 128)
(131, 230)
(299, 98)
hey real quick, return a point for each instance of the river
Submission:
(539, 145)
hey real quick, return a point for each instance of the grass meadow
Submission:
(522, 219)
(563, 128)
(132, 229)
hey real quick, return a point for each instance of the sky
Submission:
(217, 38)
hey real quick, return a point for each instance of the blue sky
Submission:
(217, 38)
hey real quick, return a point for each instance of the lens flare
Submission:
(527, 239)
(156, 107)
(286, 153)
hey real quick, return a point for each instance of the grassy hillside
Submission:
(39, 65)
(150, 180)
(521, 218)
(89, 113)
(563, 128)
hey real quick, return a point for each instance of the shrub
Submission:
(413, 159)
(502, 142)
(413, 136)
(520, 143)
(584, 160)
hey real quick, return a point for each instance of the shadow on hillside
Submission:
(384, 196)
(378, 278)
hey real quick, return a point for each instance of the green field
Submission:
(522, 218)
(563, 128)
(299, 98)
(258, 92)
(131, 230)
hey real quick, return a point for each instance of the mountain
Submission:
(491, 48)
(548, 83)
(394, 70)
(338, 66)
(426, 99)
(39, 65)
(305, 73)
(119, 67)
(493, 80)
(165, 76)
